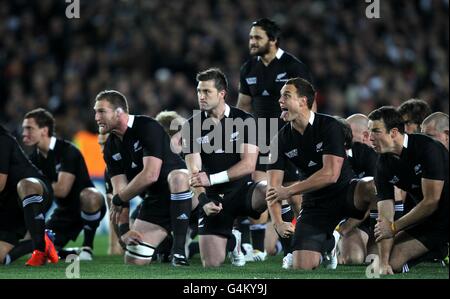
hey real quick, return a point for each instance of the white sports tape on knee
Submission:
(143, 251)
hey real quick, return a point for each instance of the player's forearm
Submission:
(136, 186)
(241, 169)
(275, 213)
(384, 249)
(421, 211)
(59, 190)
(318, 180)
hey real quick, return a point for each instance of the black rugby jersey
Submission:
(219, 155)
(421, 157)
(64, 156)
(15, 163)
(263, 84)
(363, 159)
(144, 137)
(322, 136)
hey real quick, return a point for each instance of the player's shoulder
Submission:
(196, 115)
(248, 64)
(63, 145)
(239, 113)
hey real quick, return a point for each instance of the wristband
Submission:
(203, 199)
(124, 228)
(219, 178)
(393, 228)
(117, 201)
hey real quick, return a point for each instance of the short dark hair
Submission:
(43, 119)
(304, 89)
(116, 98)
(415, 110)
(271, 28)
(220, 81)
(348, 134)
(390, 116)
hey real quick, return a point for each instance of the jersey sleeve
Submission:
(333, 140)
(6, 151)
(70, 160)
(113, 160)
(250, 130)
(371, 157)
(300, 69)
(385, 189)
(152, 135)
(433, 161)
(277, 159)
(243, 86)
(188, 143)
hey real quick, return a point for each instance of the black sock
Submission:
(231, 243)
(258, 232)
(287, 215)
(90, 223)
(21, 249)
(163, 249)
(244, 227)
(180, 212)
(194, 248)
(35, 220)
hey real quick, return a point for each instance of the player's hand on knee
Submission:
(276, 194)
(131, 237)
(284, 229)
(212, 208)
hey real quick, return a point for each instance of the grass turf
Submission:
(112, 267)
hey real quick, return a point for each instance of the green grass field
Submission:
(112, 267)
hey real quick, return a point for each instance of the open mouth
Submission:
(284, 112)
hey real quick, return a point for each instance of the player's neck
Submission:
(44, 146)
(267, 58)
(218, 112)
(301, 122)
(122, 127)
(398, 145)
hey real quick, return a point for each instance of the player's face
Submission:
(431, 131)
(208, 96)
(410, 127)
(105, 116)
(290, 102)
(258, 44)
(382, 141)
(32, 134)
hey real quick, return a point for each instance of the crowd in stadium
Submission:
(136, 46)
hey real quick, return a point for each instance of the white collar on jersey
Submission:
(311, 118)
(405, 141)
(52, 143)
(130, 120)
(278, 55)
(226, 113)
(349, 152)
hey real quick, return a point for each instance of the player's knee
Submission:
(353, 259)
(396, 264)
(211, 263)
(28, 186)
(91, 200)
(305, 264)
(178, 180)
(139, 254)
(368, 187)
